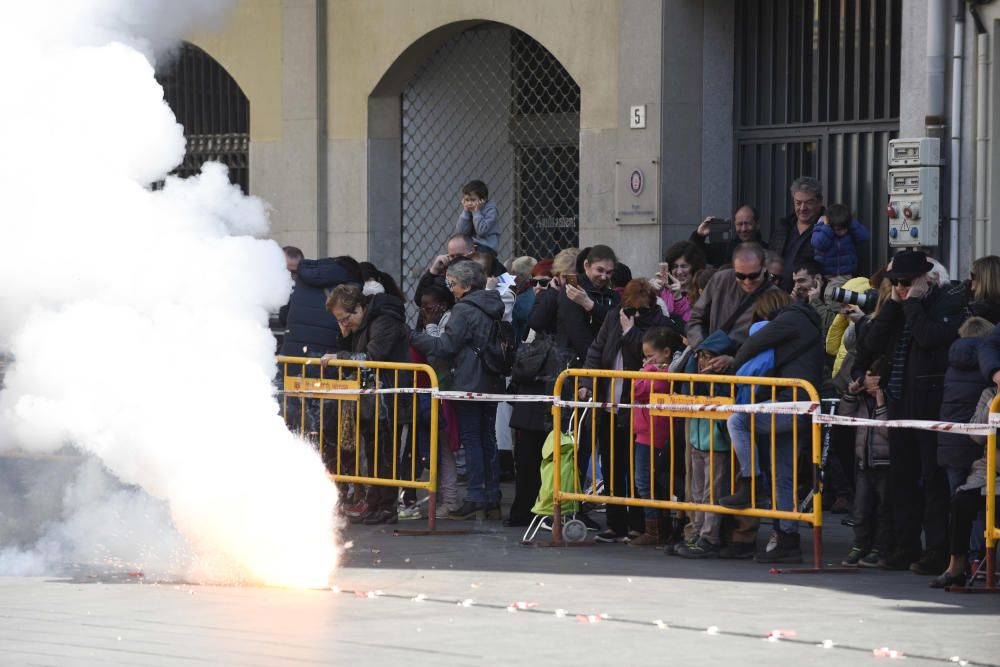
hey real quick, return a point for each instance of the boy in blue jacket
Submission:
(835, 241)
(479, 218)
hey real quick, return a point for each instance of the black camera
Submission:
(864, 300)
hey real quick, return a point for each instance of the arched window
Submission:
(213, 110)
(491, 104)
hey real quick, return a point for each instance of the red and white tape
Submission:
(783, 408)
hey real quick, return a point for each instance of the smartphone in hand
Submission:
(571, 279)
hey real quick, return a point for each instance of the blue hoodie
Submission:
(758, 366)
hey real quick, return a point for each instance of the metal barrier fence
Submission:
(992, 532)
(343, 405)
(711, 397)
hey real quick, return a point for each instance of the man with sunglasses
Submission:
(727, 301)
(912, 334)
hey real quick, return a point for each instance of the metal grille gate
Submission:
(817, 93)
(490, 104)
(214, 112)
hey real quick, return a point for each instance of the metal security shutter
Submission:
(817, 93)
(213, 110)
(490, 104)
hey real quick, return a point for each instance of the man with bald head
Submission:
(726, 303)
(745, 227)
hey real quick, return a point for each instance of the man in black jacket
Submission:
(313, 332)
(746, 227)
(580, 310)
(912, 333)
(792, 236)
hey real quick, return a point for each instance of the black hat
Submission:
(909, 264)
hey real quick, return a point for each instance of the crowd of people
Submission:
(906, 342)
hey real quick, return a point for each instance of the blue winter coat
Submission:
(838, 254)
(989, 354)
(963, 384)
(312, 330)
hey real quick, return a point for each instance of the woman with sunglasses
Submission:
(618, 346)
(913, 333)
(982, 289)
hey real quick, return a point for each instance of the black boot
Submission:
(740, 500)
(787, 550)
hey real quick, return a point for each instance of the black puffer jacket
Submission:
(610, 341)
(468, 327)
(542, 317)
(311, 328)
(934, 322)
(575, 328)
(963, 384)
(794, 335)
(383, 334)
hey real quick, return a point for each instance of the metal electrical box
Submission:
(914, 196)
(922, 152)
(914, 184)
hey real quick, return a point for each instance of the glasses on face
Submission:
(345, 319)
(776, 278)
(900, 282)
(632, 312)
(540, 282)
(749, 276)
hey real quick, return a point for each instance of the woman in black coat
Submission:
(376, 327)
(963, 385)
(618, 346)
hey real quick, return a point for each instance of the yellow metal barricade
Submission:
(992, 532)
(720, 393)
(345, 406)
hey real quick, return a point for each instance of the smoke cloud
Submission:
(137, 323)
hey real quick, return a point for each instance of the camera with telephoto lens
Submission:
(864, 300)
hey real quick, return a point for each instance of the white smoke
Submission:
(138, 319)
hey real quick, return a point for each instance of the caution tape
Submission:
(941, 427)
(785, 408)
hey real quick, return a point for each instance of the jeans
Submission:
(740, 434)
(660, 476)
(477, 429)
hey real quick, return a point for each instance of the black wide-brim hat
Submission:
(909, 264)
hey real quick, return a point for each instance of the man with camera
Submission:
(912, 334)
(712, 235)
(809, 286)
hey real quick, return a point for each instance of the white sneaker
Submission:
(412, 512)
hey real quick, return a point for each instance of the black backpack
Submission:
(497, 354)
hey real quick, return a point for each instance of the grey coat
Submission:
(977, 475)
(467, 328)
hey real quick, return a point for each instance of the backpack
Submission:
(497, 354)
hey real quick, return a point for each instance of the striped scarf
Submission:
(894, 389)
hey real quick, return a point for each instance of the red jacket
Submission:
(640, 417)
